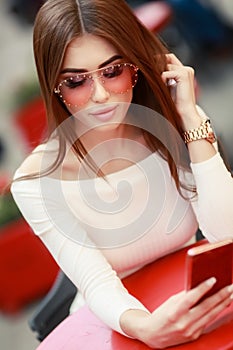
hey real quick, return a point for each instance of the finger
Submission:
(201, 322)
(185, 300)
(194, 295)
(171, 82)
(171, 58)
(205, 312)
(225, 294)
(215, 311)
(171, 76)
(182, 71)
(185, 74)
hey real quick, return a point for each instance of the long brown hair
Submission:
(58, 22)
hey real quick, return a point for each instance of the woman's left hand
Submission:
(182, 91)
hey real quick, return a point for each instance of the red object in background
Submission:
(31, 122)
(4, 181)
(154, 15)
(27, 270)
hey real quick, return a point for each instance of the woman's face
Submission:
(97, 91)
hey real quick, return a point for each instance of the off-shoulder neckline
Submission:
(109, 176)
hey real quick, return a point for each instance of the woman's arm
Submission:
(177, 320)
(85, 265)
(183, 95)
(213, 205)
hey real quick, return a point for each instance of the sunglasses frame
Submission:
(89, 75)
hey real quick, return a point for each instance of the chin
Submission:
(111, 126)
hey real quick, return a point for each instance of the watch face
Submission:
(210, 133)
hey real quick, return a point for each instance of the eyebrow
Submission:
(82, 70)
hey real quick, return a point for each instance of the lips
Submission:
(104, 114)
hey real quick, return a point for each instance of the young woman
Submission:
(112, 189)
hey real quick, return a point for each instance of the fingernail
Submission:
(211, 281)
(231, 296)
(230, 289)
(171, 82)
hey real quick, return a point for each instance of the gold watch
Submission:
(204, 131)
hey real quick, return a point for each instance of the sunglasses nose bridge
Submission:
(97, 78)
(99, 93)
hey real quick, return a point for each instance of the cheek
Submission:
(74, 110)
(126, 97)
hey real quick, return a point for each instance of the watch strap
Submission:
(204, 131)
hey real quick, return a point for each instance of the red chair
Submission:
(27, 270)
(31, 122)
(4, 181)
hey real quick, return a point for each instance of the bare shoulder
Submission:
(38, 160)
(43, 157)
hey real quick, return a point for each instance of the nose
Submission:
(99, 93)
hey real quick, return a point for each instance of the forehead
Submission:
(88, 52)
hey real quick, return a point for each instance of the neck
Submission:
(115, 148)
(108, 135)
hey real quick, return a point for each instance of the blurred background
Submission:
(199, 32)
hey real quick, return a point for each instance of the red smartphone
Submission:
(210, 260)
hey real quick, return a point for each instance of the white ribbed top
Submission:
(99, 231)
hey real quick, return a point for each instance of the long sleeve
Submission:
(214, 204)
(86, 266)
